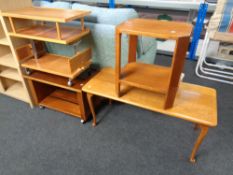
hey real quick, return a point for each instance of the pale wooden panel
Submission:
(14, 4)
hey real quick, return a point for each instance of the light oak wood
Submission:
(150, 77)
(46, 14)
(17, 91)
(11, 77)
(8, 60)
(10, 73)
(193, 103)
(4, 41)
(224, 37)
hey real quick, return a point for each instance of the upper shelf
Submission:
(47, 14)
(155, 28)
(43, 32)
(49, 33)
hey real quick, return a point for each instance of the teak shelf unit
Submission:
(52, 91)
(11, 80)
(47, 32)
(160, 79)
(51, 77)
(37, 29)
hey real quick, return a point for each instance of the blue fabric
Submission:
(57, 4)
(102, 23)
(106, 15)
(226, 19)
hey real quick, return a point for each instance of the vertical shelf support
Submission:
(118, 62)
(58, 31)
(177, 67)
(12, 24)
(133, 40)
(82, 24)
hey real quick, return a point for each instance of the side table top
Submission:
(46, 14)
(155, 28)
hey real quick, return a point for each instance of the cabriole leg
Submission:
(203, 132)
(89, 99)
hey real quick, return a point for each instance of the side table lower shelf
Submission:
(52, 92)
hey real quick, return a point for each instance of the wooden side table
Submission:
(160, 79)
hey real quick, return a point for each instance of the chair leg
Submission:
(204, 131)
(90, 102)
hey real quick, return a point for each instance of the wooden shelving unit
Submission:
(35, 27)
(51, 33)
(163, 80)
(51, 78)
(11, 81)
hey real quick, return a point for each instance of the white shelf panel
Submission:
(17, 91)
(11, 74)
(4, 41)
(8, 61)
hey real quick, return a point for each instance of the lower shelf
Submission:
(146, 76)
(16, 90)
(58, 102)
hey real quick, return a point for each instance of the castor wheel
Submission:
(41, 107)
(70, 83)
(82, 121)
(28, 71)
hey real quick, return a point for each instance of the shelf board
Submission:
(146, 76)
(8, 61)
(17, 91)
(47, 14)
(4, 41)
(65, 95)
(49, 33)
(61, 105)
(58, 81)
(11, 74)
(53, 64)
